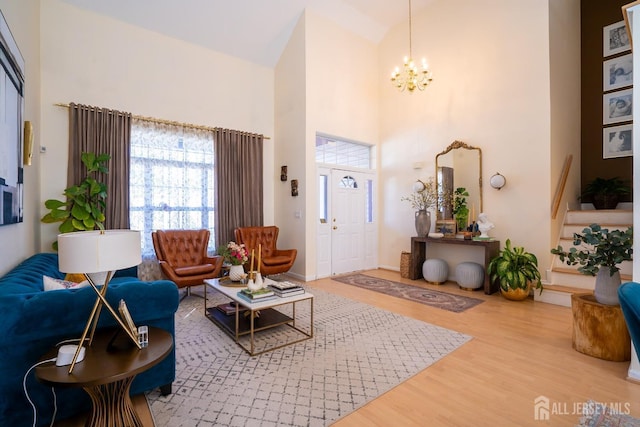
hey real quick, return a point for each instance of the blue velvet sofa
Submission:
(34, 321)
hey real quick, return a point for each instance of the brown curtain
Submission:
(103, 131)
(239, 194)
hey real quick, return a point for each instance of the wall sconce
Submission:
(28, 143)
(283, 173)
(294, 187)
(419, 186)
(497, 181)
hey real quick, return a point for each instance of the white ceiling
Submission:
(254, 30)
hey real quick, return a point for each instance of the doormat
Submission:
(438, 299)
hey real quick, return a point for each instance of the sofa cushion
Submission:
(194, 270)
(52, 284)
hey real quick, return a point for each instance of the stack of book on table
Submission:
(264, 294)
(284, 288)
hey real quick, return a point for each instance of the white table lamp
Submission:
(91, 252)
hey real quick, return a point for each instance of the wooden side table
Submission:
(106, 375)
(599, 330)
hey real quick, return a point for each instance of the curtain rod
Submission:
(163, 121)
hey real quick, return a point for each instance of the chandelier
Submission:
(410, 77)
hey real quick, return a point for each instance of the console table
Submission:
(419, 249)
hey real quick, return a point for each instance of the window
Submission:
(334, 151)
(172, 180)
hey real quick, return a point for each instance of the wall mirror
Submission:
(459, 165)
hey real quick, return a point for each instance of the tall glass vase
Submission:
(423, 222)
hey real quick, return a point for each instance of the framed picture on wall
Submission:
(617, 72)
(617, 106)
(615, 39)
(616, 141)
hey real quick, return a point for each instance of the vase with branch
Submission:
(423, 199)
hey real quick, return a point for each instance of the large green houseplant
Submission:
(85, 203)
(516, 270)
(600, 255)
(605, 193)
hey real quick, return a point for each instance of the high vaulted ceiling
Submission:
(254, 30)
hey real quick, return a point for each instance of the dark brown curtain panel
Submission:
(103, 131)
(239, 193)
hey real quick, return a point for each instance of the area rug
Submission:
(600, 415)
(357, 353)
(443, 300)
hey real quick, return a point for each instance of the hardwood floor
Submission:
(519, 351)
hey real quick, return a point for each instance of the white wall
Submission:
(564, 52)
(491, 87)
(92, 59)
(290, 148)
(342, 90)
(18, 241)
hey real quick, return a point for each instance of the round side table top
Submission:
(103, 365)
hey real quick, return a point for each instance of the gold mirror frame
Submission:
(459, 145)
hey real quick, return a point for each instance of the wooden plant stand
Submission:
(599, 330)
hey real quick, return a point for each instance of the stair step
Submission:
(626, 267)
(600, 216)
(573, 278)
(569, 228)
(558, 294)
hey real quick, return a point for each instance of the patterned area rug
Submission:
(598, 414)
(443, 300)
(357, 353)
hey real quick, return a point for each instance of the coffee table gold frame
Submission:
(269, 317)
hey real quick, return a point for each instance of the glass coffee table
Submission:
(251, 317)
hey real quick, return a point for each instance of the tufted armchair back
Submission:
(273, 260)
(181, 248)
(182, 255)
(253, 236)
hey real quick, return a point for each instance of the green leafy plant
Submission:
(514, 268)
(605, 192)
(602, 249)
(85, 203)
(460, 202)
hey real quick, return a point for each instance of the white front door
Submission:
(347, 232)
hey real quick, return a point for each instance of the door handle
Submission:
(335, 228)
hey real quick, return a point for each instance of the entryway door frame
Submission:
(347, 222)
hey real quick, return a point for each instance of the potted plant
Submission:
(85, 202)
(601, 253)
(460, 209)
(423, 198)
(516, 271)
(236, 256)
(605, 193)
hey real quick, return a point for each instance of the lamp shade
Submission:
(98, 251)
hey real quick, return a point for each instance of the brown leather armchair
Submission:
(272, 260)
(183, 259)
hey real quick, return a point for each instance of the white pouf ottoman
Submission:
(470, 275)
(435, 271)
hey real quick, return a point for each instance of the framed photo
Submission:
(617, 106)
(126, 316)
(616, 141)
(627, 13)
(617, 72)
(616, 39)
(446, 227)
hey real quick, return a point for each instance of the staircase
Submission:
(565, 280)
